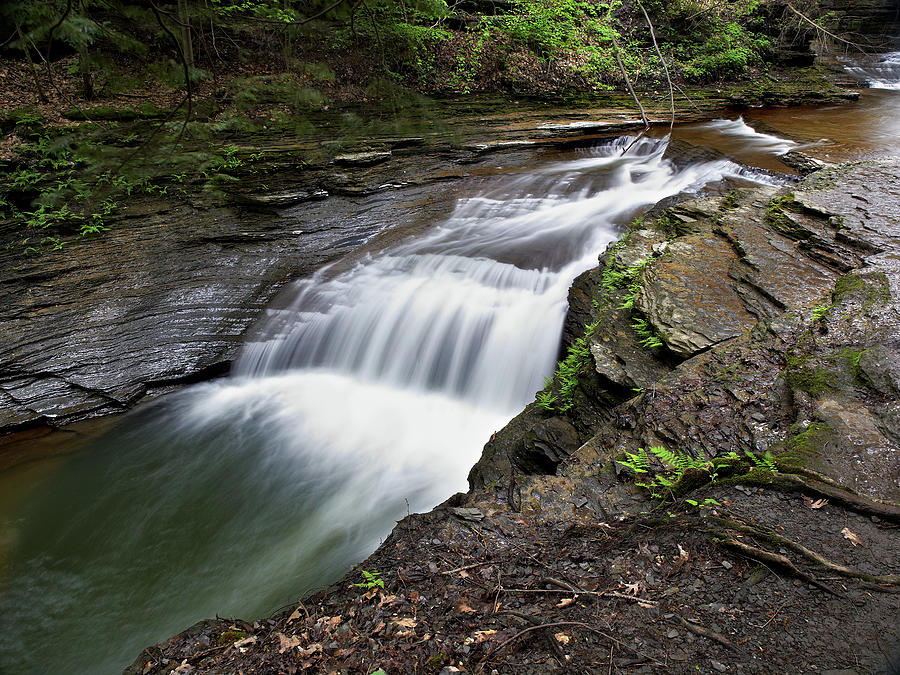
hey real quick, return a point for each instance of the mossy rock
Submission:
(21, 118)
(230, 637)
(107, 113)
(806, 444)
(869, 289)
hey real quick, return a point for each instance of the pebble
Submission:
(727, 565)
(718, 666)
(672, 633)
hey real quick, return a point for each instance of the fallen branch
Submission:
(624, 72)
(663, 61)
(697, 629)
(822, 30)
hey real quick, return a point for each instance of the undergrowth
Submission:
(668, 480)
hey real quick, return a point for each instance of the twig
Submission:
(616, 50)
(468, 567)
(664, 65)
(184, 63)
(822, 30)
(596, 594)
(708, 633)
(558, 624)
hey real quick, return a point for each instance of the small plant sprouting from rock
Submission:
(371, 580)
(649, 339)
(819, 312)
(675, 463)
(559, 391)
(628, 278)
(764, 462)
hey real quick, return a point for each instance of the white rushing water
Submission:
(878, 72)
(746, 137)
(373, 393)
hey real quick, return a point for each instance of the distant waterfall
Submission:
(878, 72)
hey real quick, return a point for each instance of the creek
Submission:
(367, 392)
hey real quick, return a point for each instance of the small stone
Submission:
(727, 565)
(672, 633)
(718, 666)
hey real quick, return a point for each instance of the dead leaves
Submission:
(285, 643)
(852, 537)
(407, 626)
(814, 503)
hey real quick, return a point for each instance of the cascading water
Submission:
(878, 72)
(744, 137)
(371, 394)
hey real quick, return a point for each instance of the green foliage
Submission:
(371, 580)
(649, 339)
(764, 462)
(819, 312)
(616, 277)
(674, 464)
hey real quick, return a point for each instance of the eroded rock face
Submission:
(163, 298)
(688, 296)
(796, 349)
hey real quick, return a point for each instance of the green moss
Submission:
(436, 661)
(871, 288)
(778, 219)
(799, 449)
(231, 636)
(803, 375)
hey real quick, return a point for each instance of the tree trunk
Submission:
(187, 45)
(87, 77)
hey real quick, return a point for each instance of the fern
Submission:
(764, 462)
(674, 462)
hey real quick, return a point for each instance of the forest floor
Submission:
(468, 590)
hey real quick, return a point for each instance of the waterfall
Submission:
(878, 72)
(369, 394)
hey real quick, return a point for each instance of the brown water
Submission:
(836, 133)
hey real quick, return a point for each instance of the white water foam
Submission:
(881, 72)
(739, 130)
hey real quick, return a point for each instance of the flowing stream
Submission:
(368, 394)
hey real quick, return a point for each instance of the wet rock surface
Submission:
(779, 556)
(163, 298)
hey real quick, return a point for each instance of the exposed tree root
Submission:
(872, 507)
(545, 627)
(843, 570)
(766, 556)
(708, 633)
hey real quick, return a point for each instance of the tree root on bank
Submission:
(697, 629)
(835, 493)
(546, 629)
(822, 561)
(768, 557)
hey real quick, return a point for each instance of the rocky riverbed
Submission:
(770, 546)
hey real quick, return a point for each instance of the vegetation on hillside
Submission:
(106, 98)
